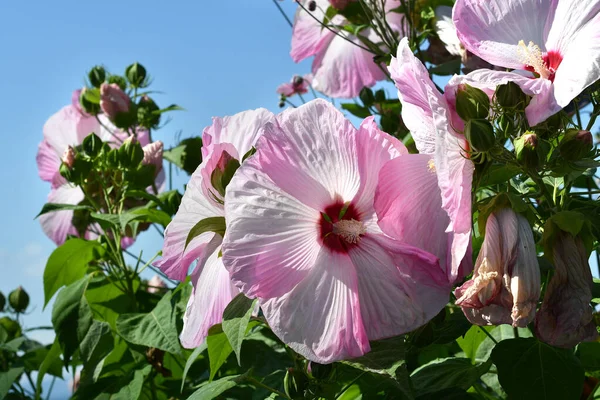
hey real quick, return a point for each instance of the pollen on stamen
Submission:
(431, 166)
(349, 229)
(532, 56)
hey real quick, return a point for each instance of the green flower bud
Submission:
(92, 145)
(119, 80)
(136, 74)
(576, 144)
(11, 327)
(131, 153)
(146, 113)
(87, 101)
(294, 384)
(527, 150)
(511, 96)
(471, 103)
(18, 299)
(480, 135)
(2, 302)
(97, 76)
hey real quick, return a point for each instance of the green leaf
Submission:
(589, 355)
(49, 361)
(107, 221)
(211, 390)
(470, 342)
(447, 373)
(569, 221)
(33, 359)
(529, 369)
(187, 155)
(97, 343)
(356, 110)
(134, 388)
(68, 263)
(212, 224)
(52, 207)
(144, 214)
(448, 68)
(190, 361)
(14, 345)
(107, 301)
(7, 379)
(219, 349)
(155, 329)
(499, 333)
(72, 317)
(235, 321)
(498, 174)
(385, 357)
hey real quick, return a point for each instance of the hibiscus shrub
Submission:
(437, 249)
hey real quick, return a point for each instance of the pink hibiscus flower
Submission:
(302, 236)
(298, 85)
(227, 139)
(558, 41)
(340, 68)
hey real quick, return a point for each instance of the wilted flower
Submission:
(565, 317)
(153, 155)
(302, 236)
(226, 140)
(505, 287)
(558, 41)
(298, 85)
(155, 284)
(68, 157)
(113, 100)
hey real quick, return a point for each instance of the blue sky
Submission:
(213, 58)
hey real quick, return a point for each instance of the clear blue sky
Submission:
(214, 58)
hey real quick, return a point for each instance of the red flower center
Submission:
(340, 237)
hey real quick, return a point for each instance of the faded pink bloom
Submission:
(505, 287)
(153, 155)
(113, 100)
(302, 236)
(68, 157)
(68, 127)
(565, 317)
(155, 284)
(298, 85)
(340, 68)
(226, 139)
(558, 41)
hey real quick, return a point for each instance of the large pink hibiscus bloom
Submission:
(340, 68)
(302, 236)
(226, 139)
(558, 40)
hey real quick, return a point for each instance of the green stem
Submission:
(516, 332)
(262, 385)
(350, 384)
(488, 335)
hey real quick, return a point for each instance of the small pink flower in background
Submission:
(302, 236)
(226, 139)
(565, 317)
(298, 85)
(153, 155)
(113, 100)
(505, 287)
(340, 68)
(155, 284)
(559, 41)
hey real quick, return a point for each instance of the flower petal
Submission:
(446, 31)
(321, 317)
(48, 161)
(398, 291)
(492, 29)
(57, 225)
(308, 32)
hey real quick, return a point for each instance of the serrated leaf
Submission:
(235, 321)
(154, 329)
(68, 263)
(97, 343)
(530, 369)
(447, 373)
(212, 224)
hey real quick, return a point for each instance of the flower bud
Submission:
(312, 5)
(92, 145)
(527, 150)
(576, 144)
(565, 317)
(130, 153)
(153, 155)
(113, 100)
(2, 302)
(294, 383)
(97, 76)
(146, 113)
(88, 106)
(510, 96)
(471, 103)
(480, 134)
(136, 74)
(155, 284)
(506, 282)
(68, 157)
(118, 80)
(18, 299)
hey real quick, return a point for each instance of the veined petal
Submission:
(212, 292)
(342, 69)
(399, 291)
(412, 79)
(408, 203)
(48, 161)
(569, 19)
(270, 243)
(492, 29)
(61, 129)
(57, 225)
(446, 31)
(308, 32)
(320, 318)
